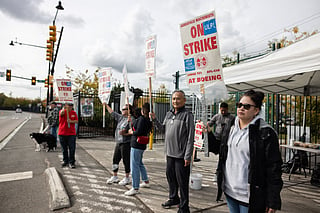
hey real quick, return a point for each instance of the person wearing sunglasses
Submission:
(178, 126)
(249, 168)
(122, 147)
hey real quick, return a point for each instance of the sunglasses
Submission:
(245, 106)
(124, 109)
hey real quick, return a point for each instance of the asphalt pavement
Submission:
(298, 195)
(88, 191)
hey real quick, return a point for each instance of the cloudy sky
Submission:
(102, 33)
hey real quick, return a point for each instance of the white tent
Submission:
(293, 70)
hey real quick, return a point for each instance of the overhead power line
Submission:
(271, 35)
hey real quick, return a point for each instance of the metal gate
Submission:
(90, 114)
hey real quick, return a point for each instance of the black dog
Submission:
(40, 138)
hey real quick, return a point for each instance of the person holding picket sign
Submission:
(122, 148)
(139, 140)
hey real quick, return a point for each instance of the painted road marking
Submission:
(16, 176)
(7, 139)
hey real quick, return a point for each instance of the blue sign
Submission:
(108, 84)
(209, 27)
(189, 64)
(68, 83)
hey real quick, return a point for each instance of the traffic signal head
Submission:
(46, 82)
(49, 50)
(52, 33)
(8, 75)
(33, 81)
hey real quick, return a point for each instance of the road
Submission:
(27, 190)
(23, 184)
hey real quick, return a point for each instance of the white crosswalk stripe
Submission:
(92, 194)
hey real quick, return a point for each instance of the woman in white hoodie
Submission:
(249, 170)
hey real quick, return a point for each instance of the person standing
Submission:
(179, 128)
(67, 134)
(53, 119)
(220, 120)
(141, 127)
(122, 148)
(249, 169)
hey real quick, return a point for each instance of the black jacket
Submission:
(264, 169)
(142, 127)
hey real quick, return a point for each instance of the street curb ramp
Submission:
(59, 197)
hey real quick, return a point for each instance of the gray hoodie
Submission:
(179, 133)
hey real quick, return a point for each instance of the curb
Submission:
(59, 197)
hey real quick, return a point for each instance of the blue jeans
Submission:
(137, 167)
(235, 206)
(53, 131)
(68, 145)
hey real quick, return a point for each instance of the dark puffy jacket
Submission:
(264, 169)
(142, 127)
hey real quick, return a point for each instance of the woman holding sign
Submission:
(139, 140)
(67, 134)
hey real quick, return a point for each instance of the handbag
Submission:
(213, 143)
(142, 139)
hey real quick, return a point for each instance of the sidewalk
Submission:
(297, 195)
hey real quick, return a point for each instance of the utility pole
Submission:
(176, 81)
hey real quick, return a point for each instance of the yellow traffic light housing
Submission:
(8, 75)
(33, 81)
(49, 50)
(53, 33)
(46, 82)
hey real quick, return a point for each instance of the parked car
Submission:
(18, 110)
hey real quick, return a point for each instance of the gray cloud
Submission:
(29, 11)
(128, 46)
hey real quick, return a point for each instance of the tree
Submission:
(83, 81)
(297, 36)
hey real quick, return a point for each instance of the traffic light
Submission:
(33, 81)
(49, 50)
(8, 75)
(46, 82)
(52, 33)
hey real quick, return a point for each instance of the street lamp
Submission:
(58, 7)
(20, 43)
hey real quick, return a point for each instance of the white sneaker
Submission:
(144, 185)
(113, 179)
(124, 181)
(132, 191)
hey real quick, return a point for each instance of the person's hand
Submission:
(187, 162)
(130, 131)
(152, 115)
(269, 210)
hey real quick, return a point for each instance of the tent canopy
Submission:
(293, 70)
